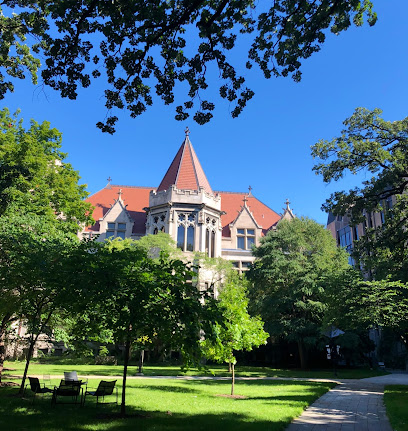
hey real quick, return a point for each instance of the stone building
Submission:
(198, 218)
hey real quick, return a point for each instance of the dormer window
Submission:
(116, 230)
(245, 238)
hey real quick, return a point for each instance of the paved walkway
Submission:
(353, 405)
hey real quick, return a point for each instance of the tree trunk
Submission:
(141, 360)
(233, 378)
(33, 340)
(3, 325)
(125, 367)
(229, 367)
(2, 350)
(302, 355)
(28, 358)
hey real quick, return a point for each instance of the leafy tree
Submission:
(295, 264)
(238, 331)
(39, 193)
(366, 304)
(134, 296)
(158, 243)
(34, 177)
(35, 272)
(139, 45)
(378, 148)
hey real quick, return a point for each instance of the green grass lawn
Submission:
(216, 370)
(396, 402)
(169, 405)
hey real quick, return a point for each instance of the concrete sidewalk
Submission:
(354, 405)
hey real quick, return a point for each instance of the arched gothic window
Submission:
(210, 237)
(158, 223)
(186, 231)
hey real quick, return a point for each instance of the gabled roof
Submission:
(185, 171)
(245, 209)
(136, 198)
(232, 203)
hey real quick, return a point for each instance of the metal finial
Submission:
(109, 179)
(287, 202)
(250, 190)
(120, 193)
(187, 131)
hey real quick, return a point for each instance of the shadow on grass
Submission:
(164, 388)
(20, 414)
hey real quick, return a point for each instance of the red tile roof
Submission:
(185, 171)
(232, 203)
(136, 198)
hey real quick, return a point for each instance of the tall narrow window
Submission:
(212, 244)
(190, 238)
(207, 242)
(180, 237)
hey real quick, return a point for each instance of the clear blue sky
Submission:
(268, 146)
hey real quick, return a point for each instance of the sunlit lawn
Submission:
(58, 369)
(170, 405)
(396, 402)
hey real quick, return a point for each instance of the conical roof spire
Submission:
(185, 171)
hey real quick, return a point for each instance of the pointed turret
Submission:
(185, 171)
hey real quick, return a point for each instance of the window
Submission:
(344, 240)
(116, 230)
(344, 237)
(186, 231)
(158, 223)
(355, 233)
(211, 226)
(245, 238)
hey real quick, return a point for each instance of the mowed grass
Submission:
(396, 403)
(57, 369)
(169, 405)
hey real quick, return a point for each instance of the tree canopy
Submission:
(147, 47)
(295, 264)
(34, 177)
(378, 148)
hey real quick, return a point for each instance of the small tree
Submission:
(135, 296)
(238, 331)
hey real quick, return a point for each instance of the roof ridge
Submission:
(132, 187)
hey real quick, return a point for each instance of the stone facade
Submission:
(219, 224)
